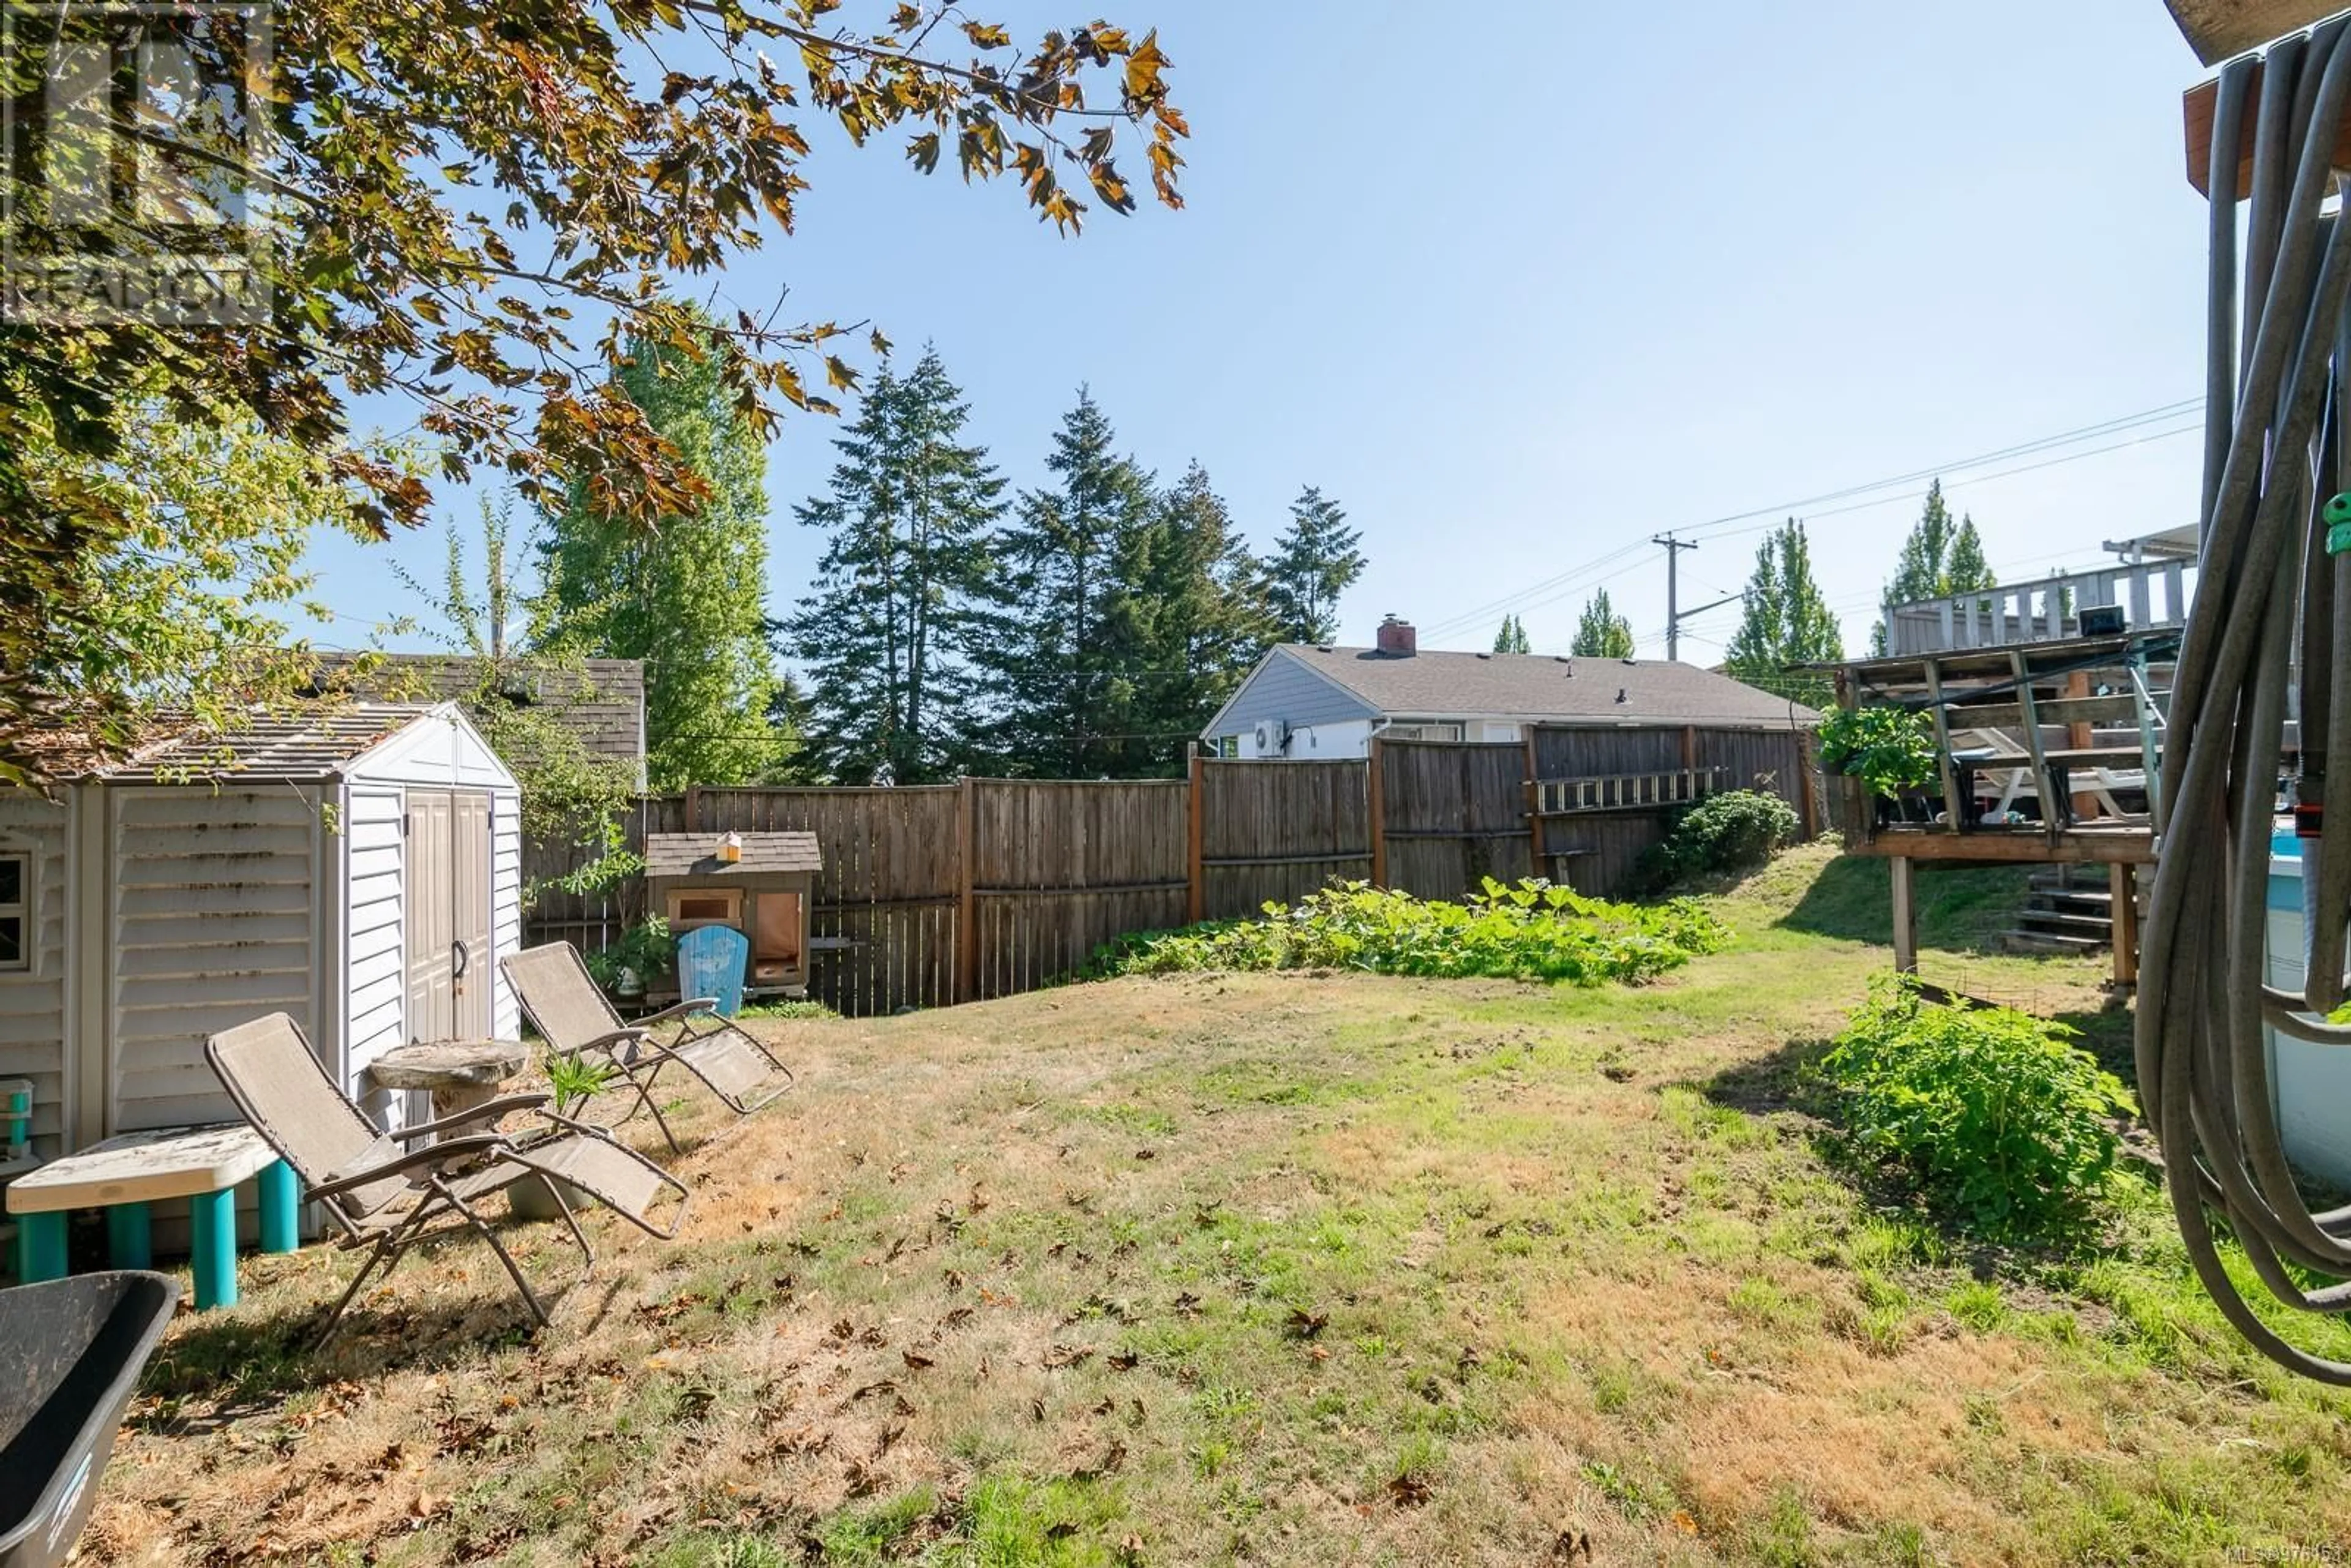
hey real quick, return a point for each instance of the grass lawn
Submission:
(1312, 1269)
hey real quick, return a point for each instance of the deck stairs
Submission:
(2069, 909)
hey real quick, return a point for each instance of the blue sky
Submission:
(1521, 293)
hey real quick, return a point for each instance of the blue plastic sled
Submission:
(711, 962)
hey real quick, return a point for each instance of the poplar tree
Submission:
(686, 597)
(1787, 621)
(889, 630)
(1314, 561)
(1939, 557)
(1600, 632)
(1068, 633)
(1512, 637)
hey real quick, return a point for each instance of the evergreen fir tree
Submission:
(1939, 557)
(1512, 637)
(889, 630)
(1601, 632)
(1201, 598)
(1072, 626)
(1314, 561)
(1787, 619)
(686, 597)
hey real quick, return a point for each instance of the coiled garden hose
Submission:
(2274, 584)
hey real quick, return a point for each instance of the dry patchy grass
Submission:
(1271, 1270)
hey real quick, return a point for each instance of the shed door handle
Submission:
(458, 955)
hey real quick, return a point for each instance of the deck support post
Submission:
(1905, 917)
(2122, 885)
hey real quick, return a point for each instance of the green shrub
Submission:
(1992, 1113)
(1731, 831)
(1532, 931)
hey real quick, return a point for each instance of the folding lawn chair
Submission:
(567, 1007)
(382, 1194)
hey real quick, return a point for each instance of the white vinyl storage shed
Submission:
(356, 866)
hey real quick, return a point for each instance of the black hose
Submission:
(2271, 598)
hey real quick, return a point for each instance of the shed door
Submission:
(448, 914)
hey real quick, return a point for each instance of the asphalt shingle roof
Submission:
(300, 745)
(1541, 687)
(696, 854)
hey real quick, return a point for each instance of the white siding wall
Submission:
(212, 925)
(1331, 742)
(375, 995)
(505, 909)
(33, 1001)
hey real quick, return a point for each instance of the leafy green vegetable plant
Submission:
(1992, 1114)
(1533, 930)
(1889, 748)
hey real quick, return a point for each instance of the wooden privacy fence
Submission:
(938, 894)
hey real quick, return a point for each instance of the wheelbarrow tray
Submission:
(71, 1354)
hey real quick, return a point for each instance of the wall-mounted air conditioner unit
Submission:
(1272, 737)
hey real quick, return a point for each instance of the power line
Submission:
(1527, 598)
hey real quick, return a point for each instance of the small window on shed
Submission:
(16, 906)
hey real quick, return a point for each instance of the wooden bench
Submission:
(123, 1174)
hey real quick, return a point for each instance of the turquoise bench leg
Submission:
(40, 1247)
(213, 1240)
(129, 1239)
(281, 1207)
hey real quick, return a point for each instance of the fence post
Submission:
(1534, 812)
(1377, 807)
(693, 808)
(1805, 784)
(966, 903)
(1195, 895)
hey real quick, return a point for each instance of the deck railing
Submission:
(2154, 594)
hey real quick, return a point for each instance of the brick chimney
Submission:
(1397, 637)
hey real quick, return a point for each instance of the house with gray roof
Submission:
(1327, 703)
(601, 701)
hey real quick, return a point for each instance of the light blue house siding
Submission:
(1282, 688)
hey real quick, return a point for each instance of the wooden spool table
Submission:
(459, 1074)
(123, 1174)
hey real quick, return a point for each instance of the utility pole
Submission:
(1674, 549)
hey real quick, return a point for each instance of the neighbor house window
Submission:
(16, 906)
(1228, 746)
(1423, 732)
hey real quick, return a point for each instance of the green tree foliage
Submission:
(1069, 636)
(1198, 604)
(478, 210)
(180, 607)
(1787, 621)
(889, 630)
(1314, 561)
(1939, 558)
(686, 597)
(573, 797)
(1512, 637)
(1601, 632)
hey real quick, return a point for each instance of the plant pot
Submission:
(545, 1197)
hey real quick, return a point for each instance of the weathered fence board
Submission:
(1453, 815)
(988, 887)
(1272, 832)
